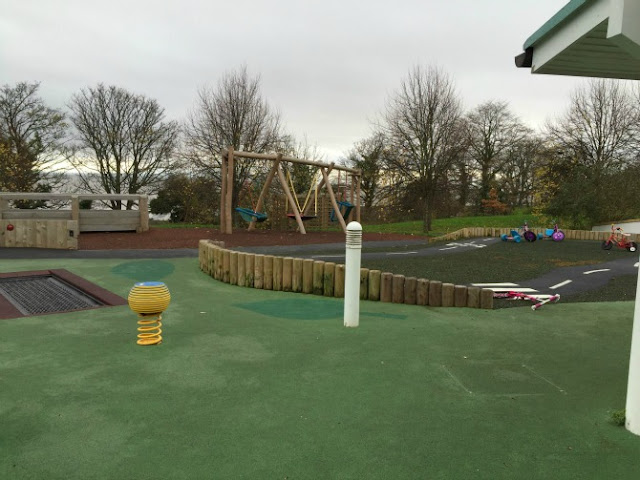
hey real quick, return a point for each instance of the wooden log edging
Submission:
(317, 277)
(496, 232)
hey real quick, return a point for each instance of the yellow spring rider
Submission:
(149, 300)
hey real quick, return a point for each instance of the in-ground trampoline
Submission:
(43, 292)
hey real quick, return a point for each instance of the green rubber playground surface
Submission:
(252, 384)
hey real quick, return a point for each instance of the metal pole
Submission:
(632, 412)
(353, 256)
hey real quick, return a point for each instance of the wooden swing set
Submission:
(341, 209)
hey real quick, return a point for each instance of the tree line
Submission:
(425, 157)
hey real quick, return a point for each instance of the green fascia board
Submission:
(564, 13)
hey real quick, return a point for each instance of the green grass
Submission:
(260, 384)
(441, 226)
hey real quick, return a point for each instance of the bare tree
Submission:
(492, 130)
(302, 176)
(518, 173)
(598, 129)
(31, 140)
(233, 114)
(123, 145)
(371, 156)
(421, 123)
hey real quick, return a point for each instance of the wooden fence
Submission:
(318, 277)
(90, 220)
(39, 233)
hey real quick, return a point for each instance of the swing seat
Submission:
(249, 215)
(345, 209)
(302, 217)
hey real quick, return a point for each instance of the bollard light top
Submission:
(354, 226)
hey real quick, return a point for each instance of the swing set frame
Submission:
(226, 192)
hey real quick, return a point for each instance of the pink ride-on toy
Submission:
(528, 235)
(554, 234)
(537, 302)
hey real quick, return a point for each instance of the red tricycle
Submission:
(619, 238)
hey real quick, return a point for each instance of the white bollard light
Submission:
(352, 259)
(632, 412)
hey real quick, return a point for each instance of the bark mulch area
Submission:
(166, 238)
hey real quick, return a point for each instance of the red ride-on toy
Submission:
(619, 238)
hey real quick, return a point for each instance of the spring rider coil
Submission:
(149, 300)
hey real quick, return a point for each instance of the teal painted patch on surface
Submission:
(144, 270)
(305, 309)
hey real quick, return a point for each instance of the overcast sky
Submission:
(327, 65)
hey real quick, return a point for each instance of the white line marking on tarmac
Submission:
(636, 264)
(448, 248)
(506, 284)
(596, 271)
(545, 379)
(401, 253)
(487, 239)
(561, 284)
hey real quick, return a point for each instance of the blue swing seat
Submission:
(345, 210)
(248, 215)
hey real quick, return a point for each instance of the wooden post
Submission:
(277, 274)
(75, 208)
(329, 279)
(307, 275)
(422, 291)
(364, 283)
(397, 287)
(223, 192)
(233, 268)
(296, 276)
(386, 287)
(410, 284)
(448, 290)
(338, 287)
(486, 298)
(267, 275)
(318, 280)
(226, 266)
(249, 270)
(435, 293)
(334, 203)
(265, 188)
(229, 201)
(460, 296)
(473, 297)
(287, 274)
(258, 272)
(241, 269)
(4, 205)
(374, 285)
(287, 191)
(143, 207)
